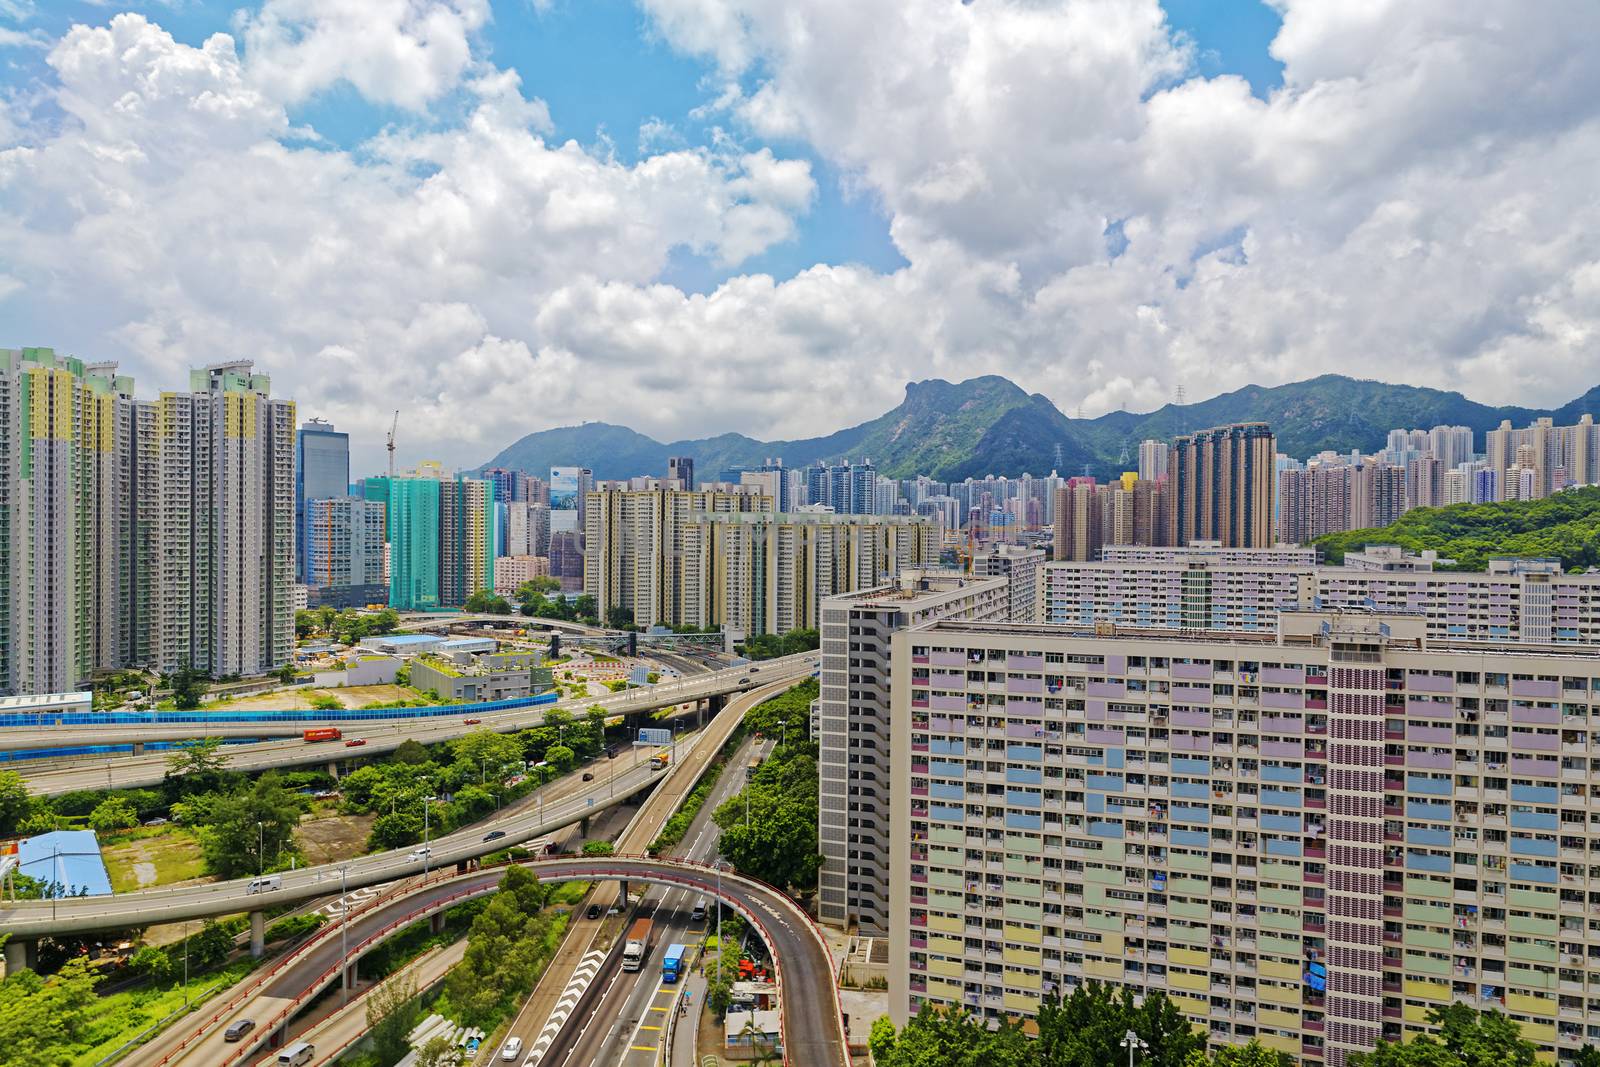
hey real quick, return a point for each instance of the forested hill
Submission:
(1565, 526)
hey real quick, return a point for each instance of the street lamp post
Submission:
(426, 851)
(261, 848)
(783, 732)
(344, 944)
(1133, 1042)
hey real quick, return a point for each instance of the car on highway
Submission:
(745, 680)
(264, 884)
(355, 742)
(587, 776)
(593, 913)
(494, 835)
(421, 853)
(470, 722)
(237, 1031)
(511, 1050)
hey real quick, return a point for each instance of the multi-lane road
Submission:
(275, 996)
(378, 735)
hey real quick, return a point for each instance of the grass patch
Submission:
(152, 855)
(122, 1016)
(569, 893)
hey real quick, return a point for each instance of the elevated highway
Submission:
(379, 733)
(812, 1020)
(28, 919)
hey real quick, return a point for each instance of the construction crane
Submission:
(393, 425)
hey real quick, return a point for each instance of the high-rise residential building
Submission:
(137, 533)
(1451, 445)
(1077, 525)
(1020, 566)
(226, 527)
(762, 572)
(1514, 602)
(413, 520)
(321, 472)
(1377, 497)
(1152, 460)
(1314, 501)
(853, 729)
(62, 524)
(466, 538)
(505, 482)
(527, 529)
(1424, 483)
(1572, 452)
(344, 539)
(1221, 486)
(1311, 838)
(636, 547)
(682, 469)
(566, 560)
(511, 572)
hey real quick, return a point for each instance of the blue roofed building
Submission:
(67, 862)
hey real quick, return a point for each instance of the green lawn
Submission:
(151, 855)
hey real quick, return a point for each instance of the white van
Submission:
(296, 1054)
(265, 885)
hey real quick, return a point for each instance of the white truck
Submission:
(637, 946)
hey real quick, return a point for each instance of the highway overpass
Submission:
(811, 1017)
(28, 919)
(381, 733)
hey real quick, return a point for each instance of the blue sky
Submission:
(605, 74)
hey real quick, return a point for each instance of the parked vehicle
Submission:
(323, 733)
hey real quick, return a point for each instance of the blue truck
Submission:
(672, 963)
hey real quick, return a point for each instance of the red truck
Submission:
(323, 733)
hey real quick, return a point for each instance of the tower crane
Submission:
(393, 425)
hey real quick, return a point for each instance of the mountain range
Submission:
(990, 425)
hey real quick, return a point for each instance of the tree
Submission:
(598, 848)
(42, 1018)
(484, 752)
(154, 963)
(211, 946)
(392, 1012)
(619, 618)
(286, 674)
(561, 758)
(769, 830)
(115, 812)
(252, 830)
(395, 830)
(1467, 1038)
(438, 1052)
(537, 587)
(412, 751)
(486, 602)
(14, 802)
(188, 688)
(305, 623)
(198, 766)
(586, 608)
(1251, 1054)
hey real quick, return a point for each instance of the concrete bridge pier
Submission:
(258, 934)
(138, 748)
(436, 922)
(20, 956)
(333, 769)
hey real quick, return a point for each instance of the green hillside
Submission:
(1565, 526)
(989, 425)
